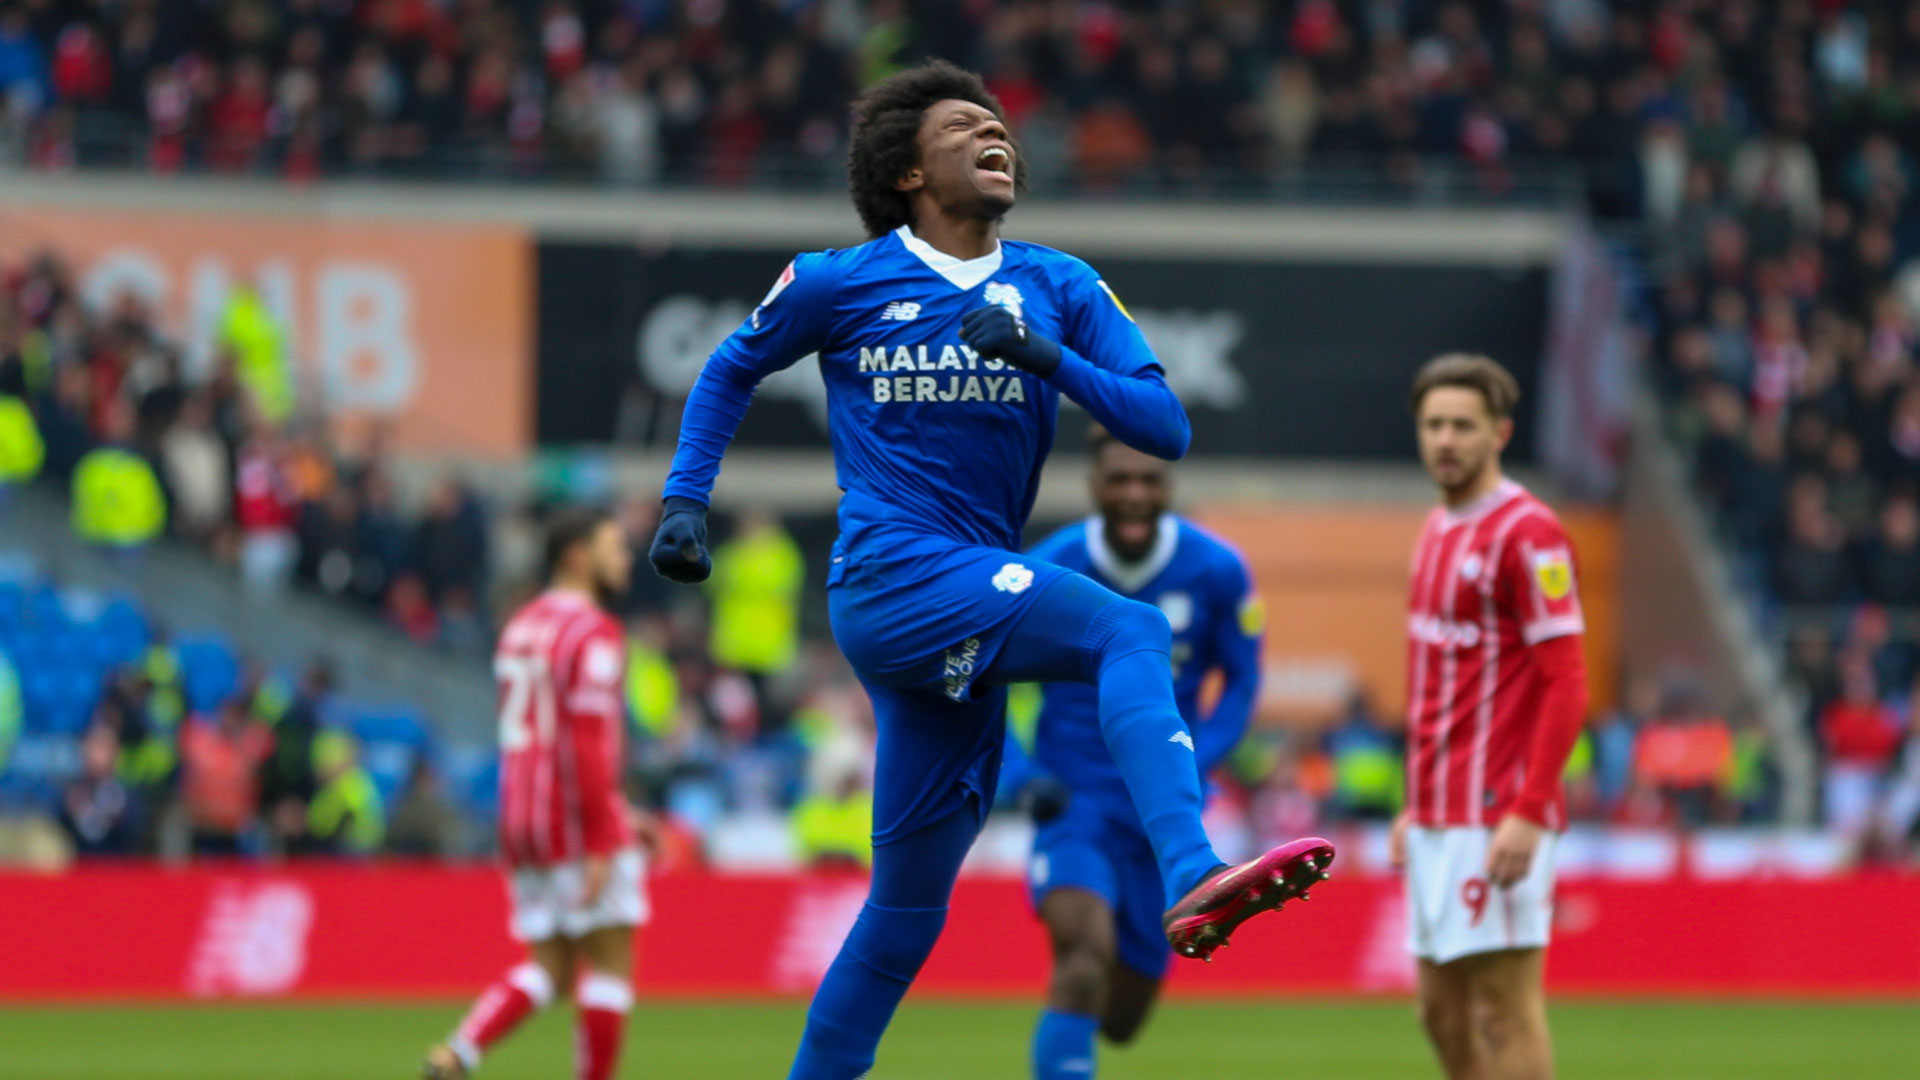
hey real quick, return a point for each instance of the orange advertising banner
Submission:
(426, 328)
(1334, 580)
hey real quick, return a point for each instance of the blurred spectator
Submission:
(449, 544)
(1685, 755)
(1892, 572)
(99, 812)
(220, 788)
(832, 822)
(1284, 805)
(758, 578)
(1860, 735)
(411, 611)
(288, 781)
(253, 335)
(197, 471)
(1811, 567)
(265, 511)
(1614, 738)
(22, 451)
(346, 816)
(117, 500)
(424, 824)
(1369, 778)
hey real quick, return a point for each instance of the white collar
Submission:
(1134, 576)
(1503, 491)
(962, 273)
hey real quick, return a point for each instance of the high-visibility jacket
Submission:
(22, 451)
(653, 689)
(117, 499)
(756, 586)
(253, 333)
(827, 827)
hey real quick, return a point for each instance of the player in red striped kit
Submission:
(1496, 698)
(570, 841)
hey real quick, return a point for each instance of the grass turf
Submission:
(1349, 1040)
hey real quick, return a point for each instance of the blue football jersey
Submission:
(927, 435)
(1200, 583)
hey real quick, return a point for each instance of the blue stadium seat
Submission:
(209, 671)
(392, 740)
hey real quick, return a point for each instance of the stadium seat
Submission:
(209, 671)
(392, 740)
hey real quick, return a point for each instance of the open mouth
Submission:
(1134, 532)
(996, 162)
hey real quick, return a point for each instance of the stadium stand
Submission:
(1767, 154)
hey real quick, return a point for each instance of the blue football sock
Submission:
(1150, 742)
(905, 909)
(1078, 631)
(1063, 1046)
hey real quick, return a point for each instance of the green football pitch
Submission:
(1347, 1040)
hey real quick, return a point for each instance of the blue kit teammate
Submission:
(1093, 875)
(944, 352)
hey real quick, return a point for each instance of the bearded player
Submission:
(1092, 874)
(1497, 693)
(571, 843)
(944, 351)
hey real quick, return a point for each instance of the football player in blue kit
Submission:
(1093, 877)
(944, 351)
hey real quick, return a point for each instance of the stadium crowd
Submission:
(108, 409)
(1771, 151)
(1109, 93)
(1778, 194)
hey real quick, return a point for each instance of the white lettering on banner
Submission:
(679, 334)
(364, 347)
(253, 939)
(1196, 348)
(367, 356)
(822, 914)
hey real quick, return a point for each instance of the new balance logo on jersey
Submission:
(1182, 738)
(900, 311)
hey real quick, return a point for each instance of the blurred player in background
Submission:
(1497, 693)
(571, 842)
(944, 351)
(1092, 874)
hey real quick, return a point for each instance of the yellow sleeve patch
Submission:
(1108, 289)
(1555, 576)
(1253, 616)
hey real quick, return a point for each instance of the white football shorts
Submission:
(1451, 909)
(547, 902)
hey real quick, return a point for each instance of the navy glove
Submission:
(679, 549)
(996, 332)
(1044, 798)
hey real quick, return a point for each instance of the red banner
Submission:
(393, 931)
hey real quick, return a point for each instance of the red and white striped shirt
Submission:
(1491, 580)
(561, 666)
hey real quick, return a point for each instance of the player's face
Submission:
(1459, 437)
(612, 562)
(1132, 490)
(966, 160)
